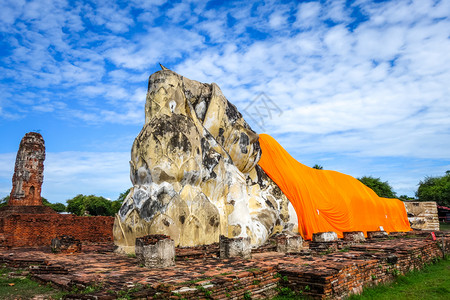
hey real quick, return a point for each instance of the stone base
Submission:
(155, 251)
(65, 244)
(289, 244)
(235, 247)
(329, 236)
(354, 236)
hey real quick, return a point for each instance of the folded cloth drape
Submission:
(328, 200)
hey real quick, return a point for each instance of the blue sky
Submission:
(363, 86)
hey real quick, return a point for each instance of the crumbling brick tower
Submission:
(28, 172)
(26, 222)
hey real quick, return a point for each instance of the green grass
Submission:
(21, 287)
(444, 226)
(432, 282)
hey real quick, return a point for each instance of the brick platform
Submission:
(335, 275)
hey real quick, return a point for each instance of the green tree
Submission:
(92, 205)
(382, 189)
(117, 204)
(4, 201)
(77, 205)
(435, 189)
(58, 207)
(98, 206)
(318, 167)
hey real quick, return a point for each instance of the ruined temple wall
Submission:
(339, 278)
(423, 215)
(39, 230)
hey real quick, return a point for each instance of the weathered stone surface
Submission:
(289, 244)
(422, 215)
(235, 247)
(65, 244)
(194, 171)
(329, 236)
(28, 171)
(155, 251)
(354, 236)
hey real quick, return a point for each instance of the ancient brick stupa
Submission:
(28, 176)
(26, 222)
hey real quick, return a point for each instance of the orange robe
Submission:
(328, 200)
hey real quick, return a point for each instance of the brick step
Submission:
(56, 280)
(48, 270)
(22, 263)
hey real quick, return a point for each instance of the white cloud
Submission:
(379, 91)
(336, 11)
(277, 19)
(67, 174)
(108, 14)
(375, 85)
(307, 14)
(179, 12)
(154, 46)
(338, 40)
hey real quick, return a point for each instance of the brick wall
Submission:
(340, 275)
(39, 230)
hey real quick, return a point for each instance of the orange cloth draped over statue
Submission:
(328, 200)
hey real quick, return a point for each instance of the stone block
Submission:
(354, 236)
(376, 234)
(329, 236)
(235, 247)
(155, 251)
(289, 244)
(65, 244)
(422, 215)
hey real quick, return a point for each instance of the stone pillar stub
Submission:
(235, 247)
(28, 171)
(289, 244)
(65, 244)
(155, 251)
(329, 236)
(354, 236)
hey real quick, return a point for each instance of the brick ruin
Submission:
(336, 270)
(26, 222)
(28, 171)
